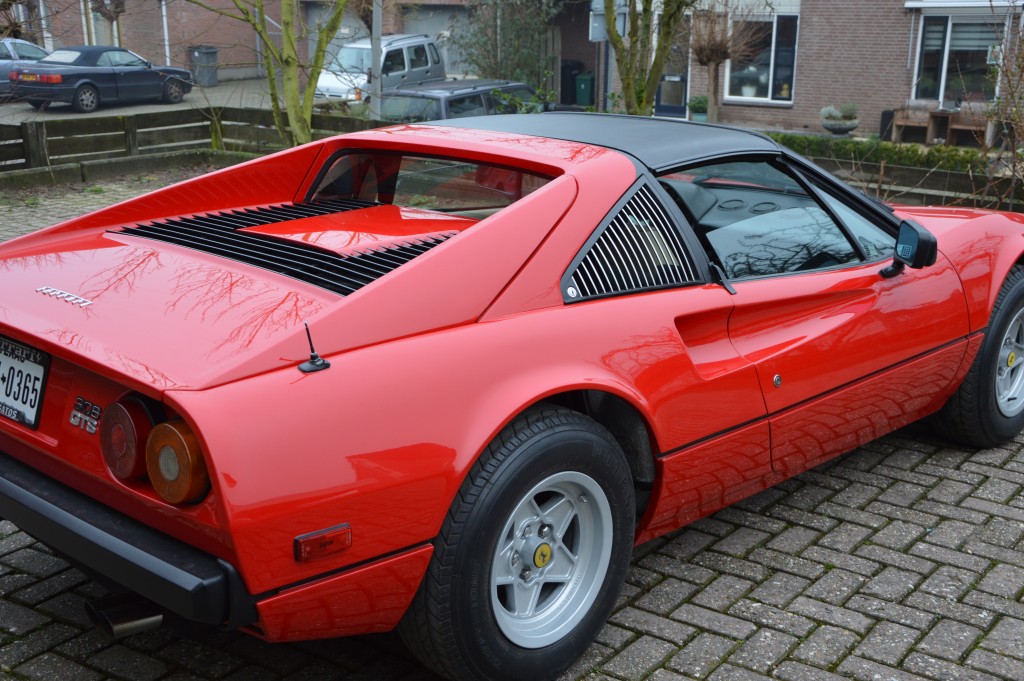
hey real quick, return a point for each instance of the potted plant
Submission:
(840, 121)
(749, 81)
(698, 106)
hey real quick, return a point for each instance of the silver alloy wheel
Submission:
(87, 99)
(1010, 368)
(551, 559)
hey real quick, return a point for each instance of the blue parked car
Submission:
(89, 75)
(14, 53)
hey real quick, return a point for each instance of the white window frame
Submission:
(952, 17)
(769, 100)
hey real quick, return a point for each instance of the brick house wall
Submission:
(847, 52)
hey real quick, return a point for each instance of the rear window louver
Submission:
(217, 234)
(636, 249)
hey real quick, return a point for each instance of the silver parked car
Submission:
(12, 53)
(406, 60)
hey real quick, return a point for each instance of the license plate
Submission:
(22, 379)
(28, 76)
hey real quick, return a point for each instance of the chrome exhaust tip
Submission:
(121, 615)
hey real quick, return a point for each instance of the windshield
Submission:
(353, 59)
(409, 109)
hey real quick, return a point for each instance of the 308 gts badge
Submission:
(86, 415)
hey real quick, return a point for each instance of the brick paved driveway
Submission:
(902, 560)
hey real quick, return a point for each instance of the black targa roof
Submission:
(658, 143)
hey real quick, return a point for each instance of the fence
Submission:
(40, 144)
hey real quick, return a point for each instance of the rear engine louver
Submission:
(217, 234)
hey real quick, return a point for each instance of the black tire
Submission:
(974, 415)
(174, 91)
(460, 622)
(41, 104)
(86, 99)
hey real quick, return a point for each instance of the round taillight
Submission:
(175, 464)
(124, 428)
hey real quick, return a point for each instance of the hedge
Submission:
(957, 159)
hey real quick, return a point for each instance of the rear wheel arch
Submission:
(630, 428)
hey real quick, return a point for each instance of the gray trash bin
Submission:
(202, 62)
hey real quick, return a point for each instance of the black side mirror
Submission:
(916, 247)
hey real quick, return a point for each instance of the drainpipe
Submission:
(167, 40)
(85, 22)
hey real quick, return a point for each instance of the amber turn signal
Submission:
(123, 431)
(176, 467)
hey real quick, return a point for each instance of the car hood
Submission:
(164, 315)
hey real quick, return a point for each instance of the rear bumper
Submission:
(174, 575)
(44, 92)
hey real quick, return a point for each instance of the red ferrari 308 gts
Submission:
(443, 377)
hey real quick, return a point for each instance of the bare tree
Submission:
(110, 10)
(1005, 114)
(506, 38)
(294, 122)
(721, 31)
(640, 55)
(13, 26)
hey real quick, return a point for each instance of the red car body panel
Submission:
(736, 391)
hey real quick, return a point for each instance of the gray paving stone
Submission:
(737, 516)
(702, 618)
(836, 586)
(252, 673)
(673, 567)
(939, 554)
(49, 667)
(741, 542)
(997, 553)
(992, 508)
(999, 665)
(723, 592)
(770, 616)
(999, 531)
(845, 537)
(888, 643)
(727, 672)
(950, 582)
(826, 646)
(902, 494)
(887, 556)
(998, 604)
(950, 491)
(779, 589)
(653, 625)
(18, 620)
(948, 608)
(739, 567)
(666, 596)
(1006, 638)
(808, 497)
(793, 540)
(14, 542)
(128, 664)
(934, 668)
(642, 577)
(702, 655)
(762, 500)
(868, 670)
(35, 643)
(906, 514)
(951, 533)
(892, 612)
(68, 607)
(764, 650)
(714, 526)
(1003, 580)
(999, 491)
(776, 560)
(639, 658)
(611, 636)
(815, 521)
(891, 584)
(35, 563)
(688, 544)
(949, 640)
(832, 614)
(838, 559)
(50, 587)
(200, 658)
(852, 515)
(857, 495)
(795, 671)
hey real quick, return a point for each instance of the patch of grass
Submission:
(32, 201)
(95, 189)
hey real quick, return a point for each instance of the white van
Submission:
(408, 59)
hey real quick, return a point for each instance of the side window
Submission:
(4, 54)
(755, 220)
(418, 57)
(24, 51)
(105, 59)
(470, 105)
(396, 60)
(637, 248)
(876, 243)
(435, 58)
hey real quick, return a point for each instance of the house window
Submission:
(767, 73)
(955, 58)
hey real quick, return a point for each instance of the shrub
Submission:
(957, 159)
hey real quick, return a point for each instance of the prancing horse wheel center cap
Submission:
(542, 555)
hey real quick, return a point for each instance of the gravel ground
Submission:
(901, 561)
